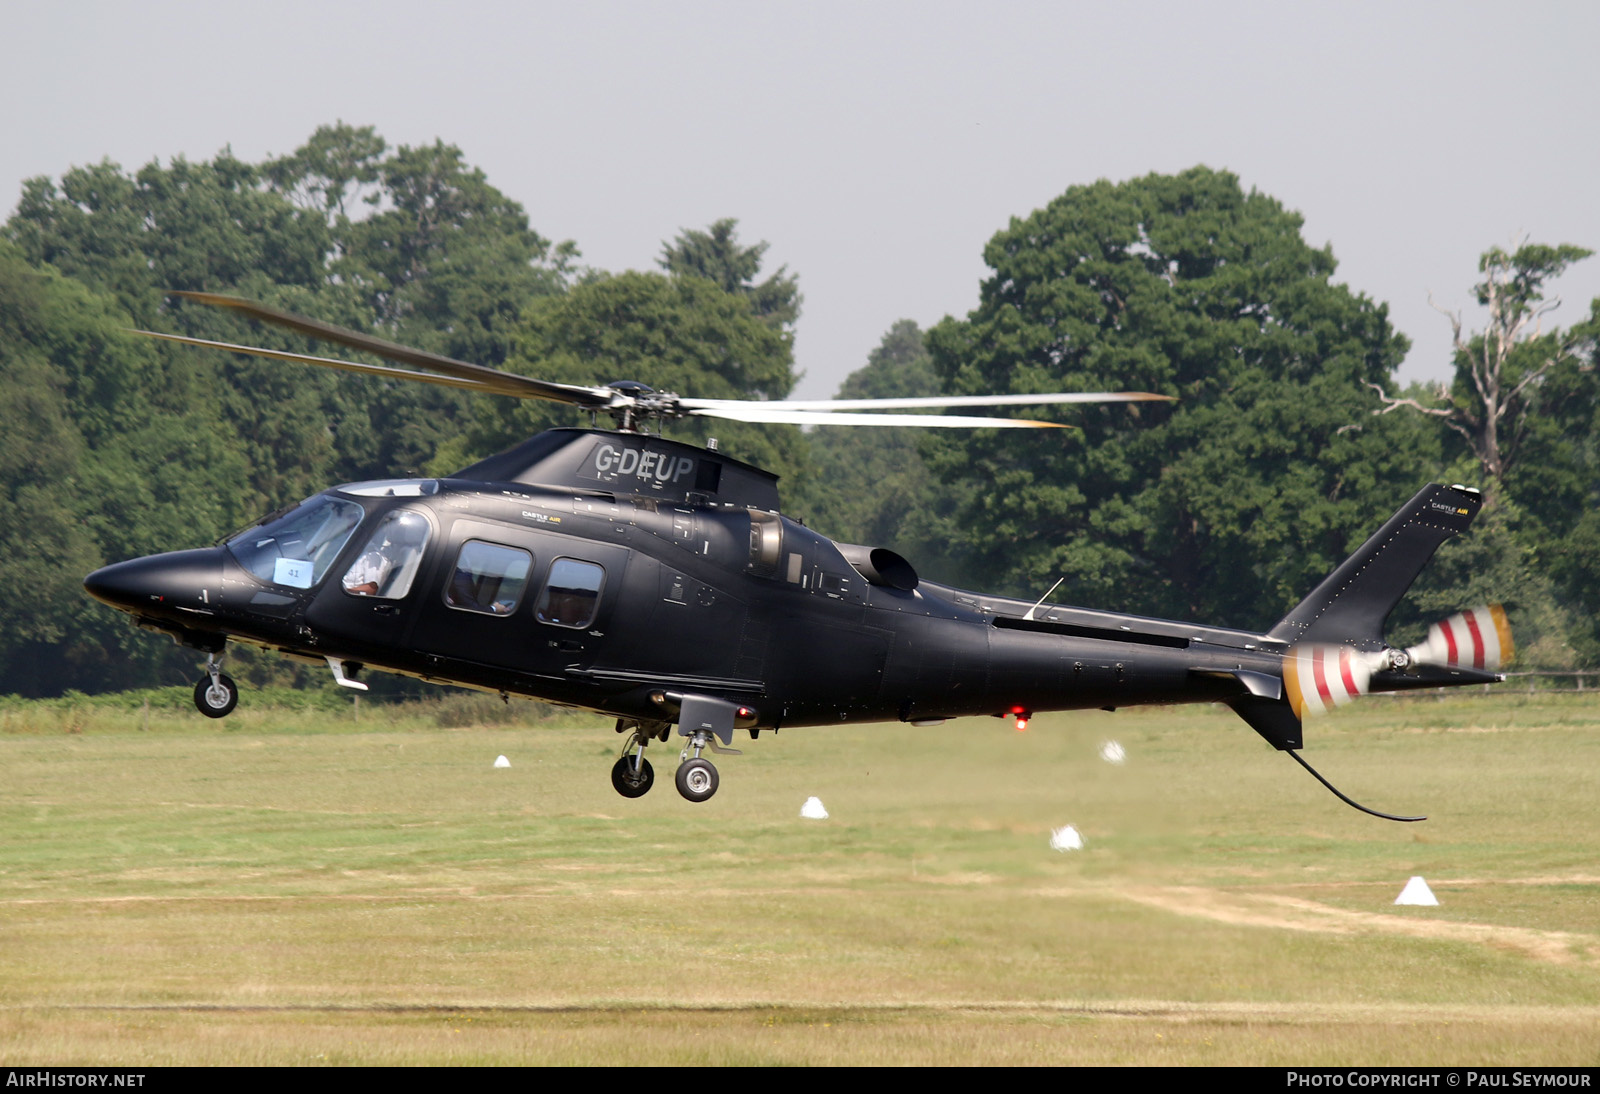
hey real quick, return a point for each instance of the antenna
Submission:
(1045, 597)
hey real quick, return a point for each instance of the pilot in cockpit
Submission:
(392, 553)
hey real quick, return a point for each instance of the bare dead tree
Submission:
(1499, 370)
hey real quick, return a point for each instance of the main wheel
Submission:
(628, 784)
(697, 779)
(216, 700)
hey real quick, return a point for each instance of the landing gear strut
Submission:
(215, 695)
(632, 774)
(702, 719)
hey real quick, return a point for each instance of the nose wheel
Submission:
(215, 694)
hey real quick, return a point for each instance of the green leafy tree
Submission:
(1227, 504)
(413, 242)
(716, 255)
(213, 227)
(44, 548)
(447, 263)
(449, 249)
(1556, 484)
(205, 226)
(98, 462)
(333, 173)
(1574, 563)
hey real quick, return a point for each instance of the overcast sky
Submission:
(876, 146)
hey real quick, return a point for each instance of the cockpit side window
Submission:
(488, 578)
(297, 548)
(571, 593)
(389, 564)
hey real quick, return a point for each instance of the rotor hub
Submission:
(635, 405)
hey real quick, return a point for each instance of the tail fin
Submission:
(1351, 604)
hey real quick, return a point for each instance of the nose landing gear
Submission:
(215, 694)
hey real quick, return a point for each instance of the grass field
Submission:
(293, 887)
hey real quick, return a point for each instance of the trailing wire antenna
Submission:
(1295, 755)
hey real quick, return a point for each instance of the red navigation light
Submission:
(1021, 714)
(1022, 723)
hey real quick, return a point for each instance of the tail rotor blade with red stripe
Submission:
(1319, 677)
(1476, 639)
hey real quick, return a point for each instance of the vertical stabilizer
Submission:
(1351, 604)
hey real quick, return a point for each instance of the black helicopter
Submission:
(657, 582)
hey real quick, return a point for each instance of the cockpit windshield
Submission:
(297, 548)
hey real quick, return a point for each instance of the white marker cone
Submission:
(813, 810)
(1417, 892)
(502, 762)
(1066, 839)
(1112, 753)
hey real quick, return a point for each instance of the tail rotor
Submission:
(1318, 676)
(1477, 639)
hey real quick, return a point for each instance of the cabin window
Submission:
(393, 555)
(297, 548)
(488, 578)
(571, 593)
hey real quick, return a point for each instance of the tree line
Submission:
(1289, 440)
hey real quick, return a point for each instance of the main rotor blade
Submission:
(938, 401)
(502, 382)
(329, 362)
(758, 412)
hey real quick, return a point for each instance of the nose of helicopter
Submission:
(179, 579)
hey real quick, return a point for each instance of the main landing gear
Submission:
(632, 774)
(215, 694)
(696, 778)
